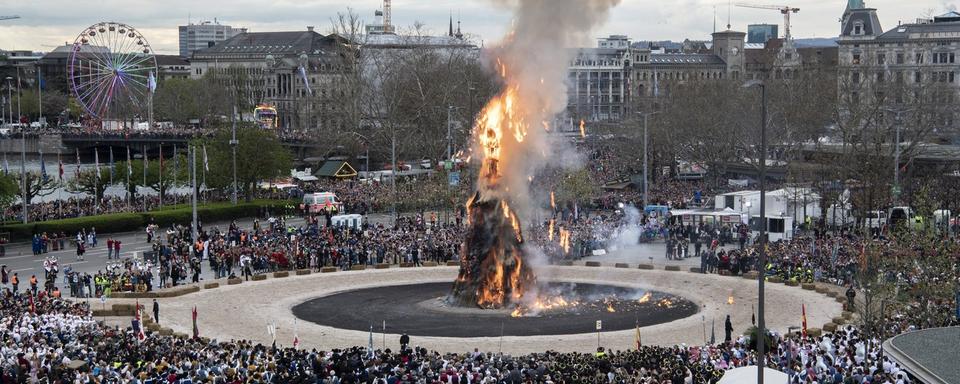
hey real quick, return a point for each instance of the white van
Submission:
(320, 202)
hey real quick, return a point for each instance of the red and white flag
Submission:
(60, 161)
(137, 324)
(803, 309)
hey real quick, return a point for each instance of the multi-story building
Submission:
(204, 35)
(910, 63)
(606, 83)
(761, 33)
(301, 73)
(172, 67)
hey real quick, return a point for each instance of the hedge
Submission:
(132, 221)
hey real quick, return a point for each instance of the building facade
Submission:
(194, 37)
(300, 73)
(618, 77)
(914, 63)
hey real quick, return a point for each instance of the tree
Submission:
(174, 174)
(90, 183)
(54, 102)
(37, 186)
(260, 156)
(9, 189)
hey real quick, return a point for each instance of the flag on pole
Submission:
(306, 84)
(43, 168)
(272, 331)
(111, 165)
(637, 337)
(656, 83)
(206, 163)
(176, 162)
(151, 83)
(137, 325)
(370, 354)
(296, 338)
(129, 165)
(803, 309)
(196, 331)
(60, 166)
(96, 161)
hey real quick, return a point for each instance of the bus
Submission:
(266, 116)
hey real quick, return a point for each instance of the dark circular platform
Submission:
(420, 309)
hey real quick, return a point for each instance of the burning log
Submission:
(493, 272)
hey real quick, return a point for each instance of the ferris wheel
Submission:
(112, 70)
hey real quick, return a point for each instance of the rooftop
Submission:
(276, 43)
(685, 58)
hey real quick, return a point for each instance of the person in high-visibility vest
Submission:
(15, 281)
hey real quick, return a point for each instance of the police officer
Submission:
(851, 294)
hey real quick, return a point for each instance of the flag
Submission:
(145, 161)
(803, 309)
(129, 165)
(637, 337)
(151, 83)
(296, 339)
(96, 161)
(272, 331)
(60, 166)
(43, 168)
(137, 326)
(111, 165)
(306, 83)
(370, 354)
(656, 83)
(196, 331)
(206, 163)
(713, 328)
(77, 173)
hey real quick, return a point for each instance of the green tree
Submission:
(576, 186)
(88, 182)
(9, 189)
(174, 174)
(37, 186)
(260, 156)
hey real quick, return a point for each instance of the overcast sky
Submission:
(48, 23)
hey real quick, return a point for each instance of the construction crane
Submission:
(786, 10)
(9, 17)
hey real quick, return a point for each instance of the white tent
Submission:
(748, 375)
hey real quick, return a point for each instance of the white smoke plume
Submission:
(533, 60)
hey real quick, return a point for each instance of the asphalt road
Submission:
(20, 259)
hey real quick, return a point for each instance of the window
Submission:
(856, 58)
(899, 77)
(855, 77)
(919, 58)
(917, 77)
(858, 28)
(881, 58)
(950, 76)
(900, 58)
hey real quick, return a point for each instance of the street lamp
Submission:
(366, 145)
(233, 146)
(761, 332)
(896, 152)
(646, 198)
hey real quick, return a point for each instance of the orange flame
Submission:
(553, 201)
(583, 129)
(550, 231)
(565, 240)
(730, 300)
(645, 298)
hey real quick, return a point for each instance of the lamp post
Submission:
(366, 145)
(233, 147)
(646, 198)
(896, 152)
(761, 332)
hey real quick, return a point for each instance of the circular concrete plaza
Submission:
(244, 311)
